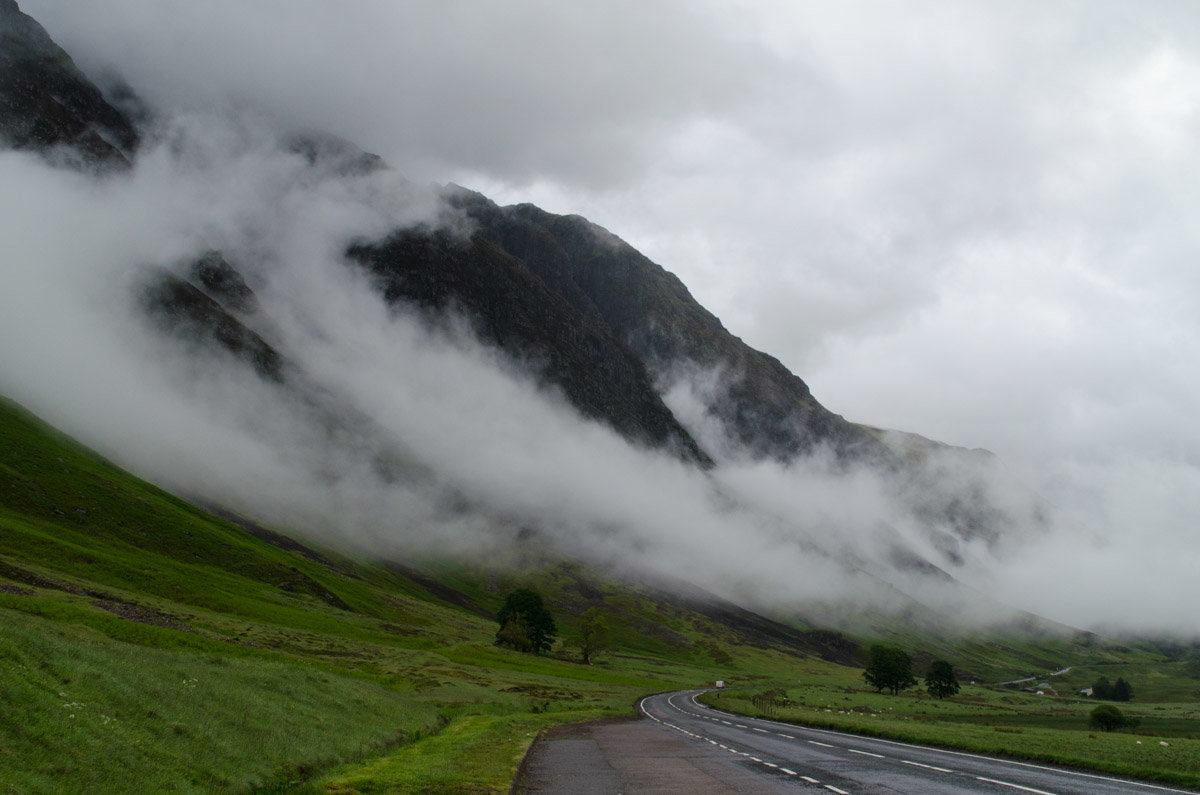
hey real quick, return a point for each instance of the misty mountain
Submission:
(49, 105)
(629, 318)
(755, 459)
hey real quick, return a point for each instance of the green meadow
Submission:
(146, 645)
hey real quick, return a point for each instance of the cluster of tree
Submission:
(891, 668)
(1121, 691)
(527, 625)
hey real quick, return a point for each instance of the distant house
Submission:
(1087, 691)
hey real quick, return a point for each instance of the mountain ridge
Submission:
(572, 305)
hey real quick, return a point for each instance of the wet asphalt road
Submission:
(682, 746)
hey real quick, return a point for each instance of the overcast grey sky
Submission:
(969, 220)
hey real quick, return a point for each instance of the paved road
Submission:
(688, 747)
(847, 763)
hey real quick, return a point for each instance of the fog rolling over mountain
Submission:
(274, 320)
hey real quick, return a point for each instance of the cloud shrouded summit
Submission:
(963, 220)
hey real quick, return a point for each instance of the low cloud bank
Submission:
(481, 450)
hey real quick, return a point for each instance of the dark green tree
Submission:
(592, 634)
(1107, 718)
(1122, 691)
(525, 623)
(514, 633)
(890, 669)
(1102, 688)
(941, 681)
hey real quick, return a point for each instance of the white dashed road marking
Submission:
(866, 753)
(736, 752)
(1014, 786)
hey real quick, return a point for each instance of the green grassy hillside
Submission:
(149, 645)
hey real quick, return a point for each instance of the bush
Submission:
(1108, 718)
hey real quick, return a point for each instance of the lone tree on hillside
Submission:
(1108, 718)
(890, 669)
(525, 623)
(592, 634)
(941, 681)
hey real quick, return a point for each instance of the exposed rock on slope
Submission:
(49, 105)
(514, 309)
(762, 406)
(608, 326)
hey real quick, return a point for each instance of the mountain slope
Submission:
(551, 299)
(292, 660)
(49, 105)
(765, 409)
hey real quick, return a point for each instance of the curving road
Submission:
(778, 754)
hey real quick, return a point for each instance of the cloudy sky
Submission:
(969, 220)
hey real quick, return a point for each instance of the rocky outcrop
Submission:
(516, 310)
(609, 326)
(191, 315)
(49, 106)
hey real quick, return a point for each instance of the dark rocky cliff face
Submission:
(512, 308)
(763, 407)
(48, 105)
